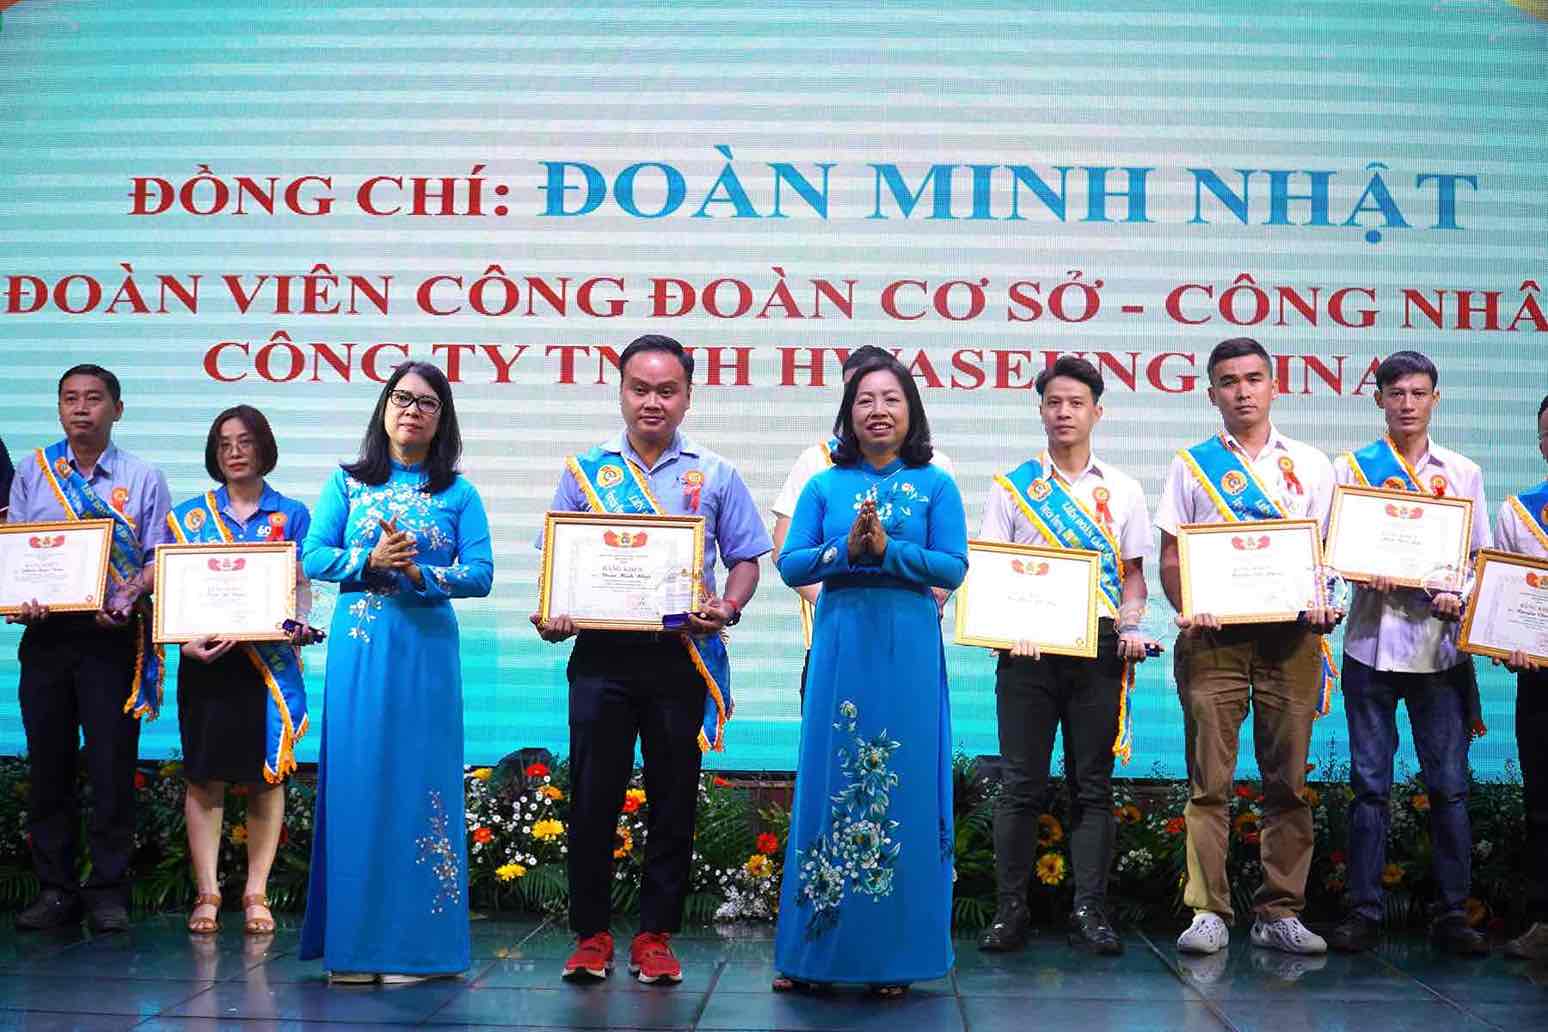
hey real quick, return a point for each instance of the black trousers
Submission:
(622, 687)
(75, 678)
(1532, 744)
(1032, 699)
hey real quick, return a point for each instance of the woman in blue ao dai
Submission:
(403, 533)
(866, 897)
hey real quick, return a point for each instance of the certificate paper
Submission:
(1417, 540)
(64, 566)
(237, 592)
(621, 573)
(1263, 571)
(1047, 596)
(1508, 609)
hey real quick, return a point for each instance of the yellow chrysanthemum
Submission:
(238, 834)
(1311, 795)
(509, 872)
(1049, 830)
(551, 793)
(1128, 813)
(759, 866)
(484, 773)
(1420, 802)
(547, 829)
(623, 842)
(1050, 868)
(1392, 874)
(636, 794)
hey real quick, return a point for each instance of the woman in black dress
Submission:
(240, 709)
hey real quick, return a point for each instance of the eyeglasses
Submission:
(429, 404)
(240, 446)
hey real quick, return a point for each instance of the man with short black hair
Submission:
(1247, 471)
(1522, 528)
(97, 673)
(1067, 497)
(1401, 644)
(669, 690)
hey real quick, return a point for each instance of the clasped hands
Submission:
(114, 614)
(867, 539)
(396, 550)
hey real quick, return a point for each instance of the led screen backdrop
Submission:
(274, 202)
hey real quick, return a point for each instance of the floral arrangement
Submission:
(518, 812)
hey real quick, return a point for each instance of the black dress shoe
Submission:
(52, 909)
(1008, 931)
(1090, 931)
(108, 917)
(1452, 934)
(1356, 934)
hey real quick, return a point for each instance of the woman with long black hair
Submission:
(403, 533)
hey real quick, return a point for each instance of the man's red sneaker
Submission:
(593, 958)
(651, 958)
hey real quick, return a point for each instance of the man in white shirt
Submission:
(1522, 528)
(1249, 471)
(1066, 495)
(812, 461)
(1401, 644)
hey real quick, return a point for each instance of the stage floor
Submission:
(158, 977)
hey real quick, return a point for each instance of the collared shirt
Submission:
(813, 461)
(1397, 631)
(132, 486)
(277, 517)
(1305, 491)
(1512, 535)
(733, 527)
(1004, 519)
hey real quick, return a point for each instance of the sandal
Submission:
(205, 925)
(889, 992)
(257, 925)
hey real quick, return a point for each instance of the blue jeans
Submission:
(1437, 716)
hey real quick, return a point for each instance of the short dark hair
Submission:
(90, 369)
(1405, 363)
(861, 354)
(1076, 369)
(374, 465)
(257, 425)
(916, 449)
(657, 342)
(1543, 407)
(1236, 347)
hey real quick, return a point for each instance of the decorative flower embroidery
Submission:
(436, 849)
(858, 853)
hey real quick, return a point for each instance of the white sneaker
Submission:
(1289, 935)
(1207, 934)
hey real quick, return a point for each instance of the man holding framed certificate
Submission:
(98, 672)
(669, 688)
(1401, 644)
(1065, 498)
(1522, 529)
(1247, 472)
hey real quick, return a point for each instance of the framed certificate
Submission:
(1047, 596)
(1508, 609)
(237, 592)
(621, 573)
(1417, 540)
(64, 566)
(1264, 571)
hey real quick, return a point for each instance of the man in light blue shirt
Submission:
(78, 668)
(653, 686)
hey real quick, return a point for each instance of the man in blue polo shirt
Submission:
(79, 671)
(652, 686)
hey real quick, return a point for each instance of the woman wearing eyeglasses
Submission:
(403, 533)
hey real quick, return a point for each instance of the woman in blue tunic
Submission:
(866, 897)
(403, 533)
